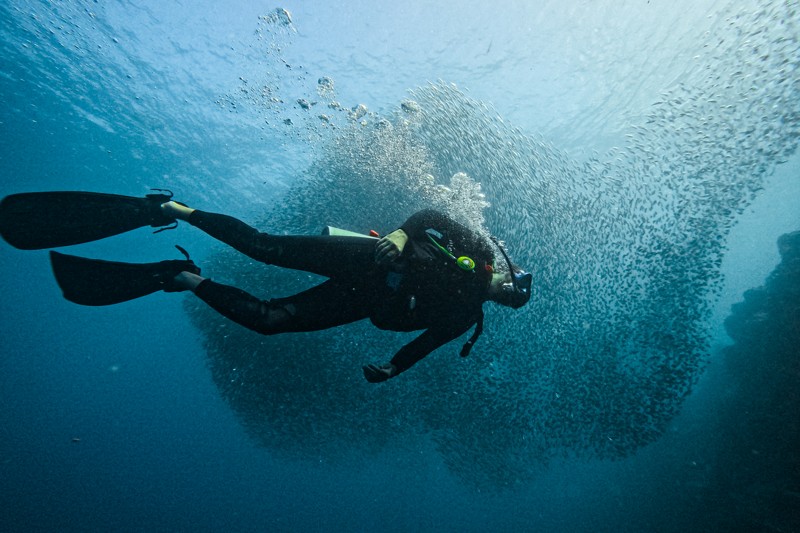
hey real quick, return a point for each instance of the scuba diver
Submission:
(431, 274)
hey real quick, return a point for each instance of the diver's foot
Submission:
(184, 281)
(176, 211)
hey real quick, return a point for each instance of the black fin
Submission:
(97, 282)
(37, 220)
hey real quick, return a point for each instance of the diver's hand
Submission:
(390, 247)
(376, 374)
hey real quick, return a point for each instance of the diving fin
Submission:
(37, 220)
(95, 282)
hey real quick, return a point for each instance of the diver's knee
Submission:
(276, 317)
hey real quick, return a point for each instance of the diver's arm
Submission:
(420, 347)
(414, 351)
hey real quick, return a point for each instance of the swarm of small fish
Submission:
(625, 249)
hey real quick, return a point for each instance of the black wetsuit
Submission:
(423, 289)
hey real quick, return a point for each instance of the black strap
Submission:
(475, 334)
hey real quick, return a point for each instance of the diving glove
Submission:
(377, 374)
(390, 247)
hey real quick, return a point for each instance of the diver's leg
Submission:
(324, 306)
(321, 254)
(326, 255)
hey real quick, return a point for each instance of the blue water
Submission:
(600, 134)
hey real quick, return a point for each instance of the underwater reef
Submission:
(754, 481)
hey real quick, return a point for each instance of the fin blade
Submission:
(38, 220)
(97, 282)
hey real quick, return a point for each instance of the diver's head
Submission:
(512, 289)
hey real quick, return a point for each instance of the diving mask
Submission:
(517, 292)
